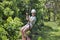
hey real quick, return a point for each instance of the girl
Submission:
(29, 25)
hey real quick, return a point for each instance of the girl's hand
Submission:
(27, 14)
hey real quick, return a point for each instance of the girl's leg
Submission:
(28, 38)
(26, 29)
(23, 38)
(23, 31)
(23, 28)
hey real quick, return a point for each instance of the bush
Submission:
(12, 26)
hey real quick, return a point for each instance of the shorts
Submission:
(27, 26)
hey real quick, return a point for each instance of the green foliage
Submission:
(39, 38)
(9, 21)
(12, 17)
(13, 27)
(3, 34)
(8, 12)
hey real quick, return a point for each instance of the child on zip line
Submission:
(31, 21)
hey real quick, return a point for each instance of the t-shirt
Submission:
(32, 20)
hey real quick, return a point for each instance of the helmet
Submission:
(33, 11)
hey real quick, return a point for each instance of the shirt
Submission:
(32, 20)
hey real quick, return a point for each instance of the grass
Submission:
(55, 27)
